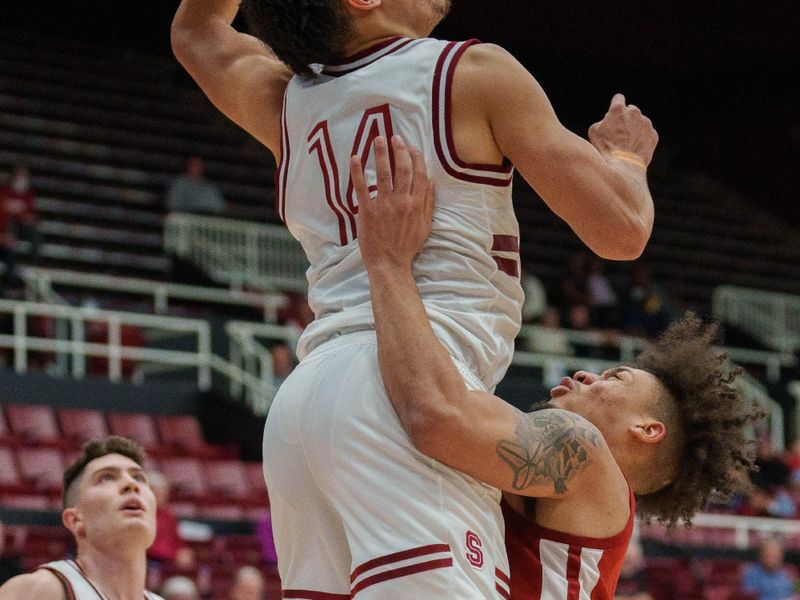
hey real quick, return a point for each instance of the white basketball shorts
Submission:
(357, 511)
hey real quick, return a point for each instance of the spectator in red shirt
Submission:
(168, 547)
(19, 205)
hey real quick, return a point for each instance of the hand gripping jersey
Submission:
(468, 271)
(77, 586)
(551, 565)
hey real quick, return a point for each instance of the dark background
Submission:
(718, 78)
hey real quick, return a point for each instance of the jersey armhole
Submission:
(65, 584)
(495, 175)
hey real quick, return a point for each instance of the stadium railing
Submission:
(40, 282)
(238, 253)
(772, 318)
(70, 342)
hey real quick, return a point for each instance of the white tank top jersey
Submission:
(77, 586)
(468, 271)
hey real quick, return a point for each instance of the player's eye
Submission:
(106, 477)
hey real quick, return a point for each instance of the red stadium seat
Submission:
(255, 477)
(10, 480)
(43, 467)
(227, 479)
(182, 433)
(186, 476)
(28, 502)
(82, 425)
(5, 434)
(34, 423)
(138, 427)
(222, 512)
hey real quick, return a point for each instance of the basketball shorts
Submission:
(357, 511)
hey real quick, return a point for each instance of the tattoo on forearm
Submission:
(549, 446)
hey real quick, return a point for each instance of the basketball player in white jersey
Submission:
(110, 509)
(356, 509)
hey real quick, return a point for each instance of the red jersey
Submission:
(551, 565)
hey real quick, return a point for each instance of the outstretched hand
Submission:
(394, 225)
(625, 133)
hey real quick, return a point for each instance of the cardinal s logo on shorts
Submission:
(474, 550)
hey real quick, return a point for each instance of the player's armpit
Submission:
(607, 204)
(41, 585)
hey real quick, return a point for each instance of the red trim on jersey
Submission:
(502, 591)
(397, 557)
(447, 134)
(587, 542)
(502, 576)
(313, 595)
(282, 168)
(505, 243)
(509, 266)
(573, 573)
(336, 68)
(333, 195)
(401, 572)
(64, 582)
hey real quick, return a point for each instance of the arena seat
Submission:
(81, 425)
(43, 467)
(34, 423)
(227, 479)
(10, 480)
(136, 426)
(255, 478)
(183, 435)
(5, 434)
(186, 475)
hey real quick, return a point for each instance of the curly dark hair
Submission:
(712, 454)
(91, 450)
(300, 32)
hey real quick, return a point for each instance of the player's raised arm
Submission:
(238, 73)
(599, 188)
(541, 454)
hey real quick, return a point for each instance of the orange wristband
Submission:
(630, 157)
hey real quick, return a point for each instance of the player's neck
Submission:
(373, 30)
(118, 575)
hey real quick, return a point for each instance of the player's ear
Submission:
(71, 519)
(363, 5)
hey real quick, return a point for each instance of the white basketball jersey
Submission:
(77, 586)
(468, 271)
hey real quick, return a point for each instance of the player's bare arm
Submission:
(238, 73)
(599, 188)
(41, 585)
(545, 454)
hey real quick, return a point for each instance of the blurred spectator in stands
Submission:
(769, 577)
(766, 501)
(8, 256)
(646, 307)
(192, 193)
(603, 303)
(548, 337)
(791, 458)
(282, 362)
(632, 582)
(168, 547)
(10, 564)
(296, 312)
(535, 303)
(179, 588)
(248, 584)
(18, 202)
(266, 539)
(772, 470)
(575, 288)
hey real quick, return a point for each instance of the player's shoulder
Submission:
(489, 70)
(41, 584)
(479, 55)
